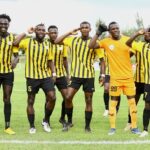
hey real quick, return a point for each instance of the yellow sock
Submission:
(133, 112)
(112, 113)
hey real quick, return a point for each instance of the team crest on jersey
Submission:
(9, 43)
(111, 47)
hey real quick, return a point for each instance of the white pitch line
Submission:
(136, 142)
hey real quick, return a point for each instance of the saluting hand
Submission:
(74, 31)
(31, 30)
(141, 31)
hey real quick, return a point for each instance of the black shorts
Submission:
(33, 85)
(107, 79)
(61, 83)
(147, 93)
(88, 84)
(7, 78)
(139, 87)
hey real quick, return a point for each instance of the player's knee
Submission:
(111, 111)
(88, 100)
(133, 108)
(7, 101)
(68, 98)
(30, 102)
(53, 98)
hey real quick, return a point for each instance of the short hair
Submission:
(41, 24)
(52, 27)
(85, 22)
(113, 22)
(5, 17)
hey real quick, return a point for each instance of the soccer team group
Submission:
(47, 66)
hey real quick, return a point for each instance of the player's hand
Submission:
(13, 64)
(101, 28)
(31, 30)
(101, 80)
(74, 31)
(141, 31)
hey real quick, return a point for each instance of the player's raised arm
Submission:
(134, 36)
(101, 28)
(60, 39)
(23, 35)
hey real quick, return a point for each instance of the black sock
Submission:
(118, 104)
(47, 115)
(69, 112)
(7, 114)
(146, 117)
(129, 118)
(45, 107)
(88, 117)
(106, 100)
(31, 118)
(63, 110)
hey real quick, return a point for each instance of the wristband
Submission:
(54, 74)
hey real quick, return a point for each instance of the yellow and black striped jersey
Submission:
(6, 51)
(139, 73)
(59, 52)
(82, 58)
(144, 48)
(37, 56)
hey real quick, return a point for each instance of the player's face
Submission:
(53, 33)
(40, 32)
(114, 31)
(4, 24)
(85, 29)
(147, 36)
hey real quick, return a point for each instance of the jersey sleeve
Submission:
(99, 53)
(138, 46)
(24, 44)
(68, 41)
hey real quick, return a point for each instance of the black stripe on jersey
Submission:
(4, 50)
(46, 61)
(42, 59)
(148, 69)
(55, 49)
(59, 61)
(83, 72)
(144, 60)
(33, 55)
(37, 59)
(73, 53)
(9, 53)
(87, 55)
(79, 52)
(29, 54)
(140, 63)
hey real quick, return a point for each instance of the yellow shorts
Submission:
(118, 86)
